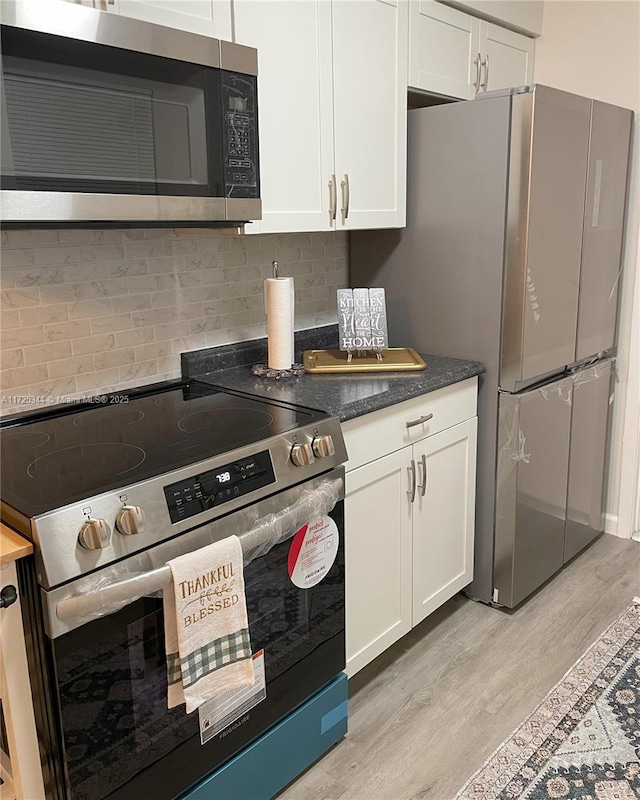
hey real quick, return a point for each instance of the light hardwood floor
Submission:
(427, 713)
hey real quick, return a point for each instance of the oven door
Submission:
(109, 680)
(93, 130)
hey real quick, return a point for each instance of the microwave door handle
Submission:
(265, 534)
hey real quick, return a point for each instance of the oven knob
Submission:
(130, 520)
(302, 455)
(323, 446)
(95, 534)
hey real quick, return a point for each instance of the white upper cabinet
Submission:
(370, 111)
(295, 109)
(507, 57)
(332, 79)
(456, 55)
(206, 17)
(524, 16)
(444, 50)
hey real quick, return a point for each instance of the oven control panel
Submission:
(210, 489)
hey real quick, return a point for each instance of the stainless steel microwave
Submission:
(110, 120)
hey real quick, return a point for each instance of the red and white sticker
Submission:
(313, 550)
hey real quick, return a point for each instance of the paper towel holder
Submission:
(264, 370)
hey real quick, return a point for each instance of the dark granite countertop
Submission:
(345, 396)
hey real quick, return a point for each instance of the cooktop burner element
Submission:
(27, 439)
(219, 418)
(63, 456)
(85, 464)
(104, 416)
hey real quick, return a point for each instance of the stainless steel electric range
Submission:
(108, 491)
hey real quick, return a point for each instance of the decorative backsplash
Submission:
(86, 312)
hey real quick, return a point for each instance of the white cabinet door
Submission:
(369, 87)
(378, 557)
(444, 48)
(295, 109)
(443, 516)
(206, 17)
(507, 57)
(519, 15)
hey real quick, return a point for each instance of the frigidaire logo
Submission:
(233, 727)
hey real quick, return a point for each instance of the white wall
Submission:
(592, 47)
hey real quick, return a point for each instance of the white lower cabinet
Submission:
(378, 557)
(409, 521)
(443, 516)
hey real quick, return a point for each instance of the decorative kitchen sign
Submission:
(345, 318)
(312, 552)
(230, 710)
(362, 319)
(378, 319)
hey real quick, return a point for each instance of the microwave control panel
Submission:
(217, 486)
(239, 132)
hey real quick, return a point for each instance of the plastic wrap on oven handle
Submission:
(112, 592)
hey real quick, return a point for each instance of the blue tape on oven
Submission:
(333, 717)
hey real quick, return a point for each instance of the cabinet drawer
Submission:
(374, 435)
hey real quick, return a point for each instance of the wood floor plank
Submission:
(427, 713)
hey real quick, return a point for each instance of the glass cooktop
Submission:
(57, 459)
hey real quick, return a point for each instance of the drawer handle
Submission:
(419, 421)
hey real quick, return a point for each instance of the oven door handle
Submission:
(266, 533)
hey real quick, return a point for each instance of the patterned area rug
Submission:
(583, 740)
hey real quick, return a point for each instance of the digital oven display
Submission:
(210, 489)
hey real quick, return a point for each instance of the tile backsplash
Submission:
(85, 312)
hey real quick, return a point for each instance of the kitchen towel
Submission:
(279, 304)
(206, 626)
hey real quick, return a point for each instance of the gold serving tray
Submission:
(395, 359)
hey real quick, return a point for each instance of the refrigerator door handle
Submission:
(412, 475)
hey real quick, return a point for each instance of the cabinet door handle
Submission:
(333, 199)
(477, 62)
(423, 486)
(421, 420)
(485, 64)
(344, 185)
(412, 475)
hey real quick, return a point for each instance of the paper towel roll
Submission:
(279, 305)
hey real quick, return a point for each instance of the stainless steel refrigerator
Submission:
(511, 255)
